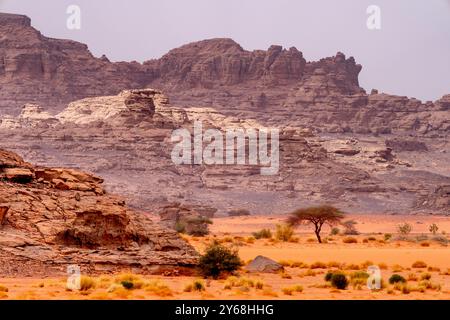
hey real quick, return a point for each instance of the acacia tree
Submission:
(317, 216)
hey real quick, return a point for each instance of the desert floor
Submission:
(306, 263)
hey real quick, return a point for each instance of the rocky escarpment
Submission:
(127, 140)
(37, 69)
(218, 62)
(127, 108)
(54, 217)
(272, 85)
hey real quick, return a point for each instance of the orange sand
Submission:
(393, 256)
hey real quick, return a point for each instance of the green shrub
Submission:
(263, 234)
(404, 228)
(259, 285)
(339, 281)
(396, 278)
(335, 231)
(328, 276)
(127, 284)
(387, 236)
(434, 228)
(284, 232)
(218, 259)
(197, 285)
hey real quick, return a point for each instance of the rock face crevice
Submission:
(63, 216)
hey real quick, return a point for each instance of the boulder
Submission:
(264, 264)
(22, 175)
(385, 154)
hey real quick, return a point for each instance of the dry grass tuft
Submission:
(397, 268)
(383, 266)
(425, 276)
(319, 265)
(285, 275)
(121, 293)
(429, 285)
(434, 269)
(158, 288)
(289, 290)
(412, 277)
(334, 264)
(87, 283)
(352, 266)
(299, 264)
(309, 273)
(196, 285)
(269, 293)
(350, 240)
(100, 296)
(244, 283)
(419, 264)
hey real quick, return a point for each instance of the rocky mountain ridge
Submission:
(269, 85)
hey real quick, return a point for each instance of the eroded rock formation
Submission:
(362, 152)
(53, 217)
(131, 148)
(268, 85)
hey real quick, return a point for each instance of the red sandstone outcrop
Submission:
(52, 217)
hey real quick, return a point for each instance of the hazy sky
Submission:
(410, 55)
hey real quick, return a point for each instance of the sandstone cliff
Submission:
(127, 140)
(54, 217)
(270, 85)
